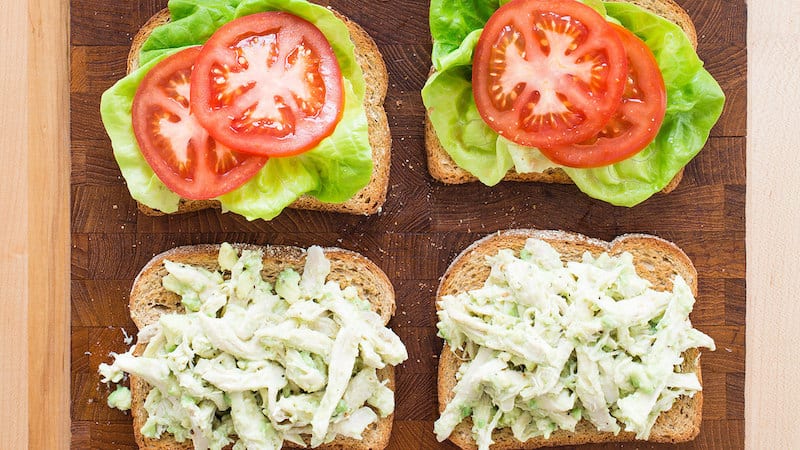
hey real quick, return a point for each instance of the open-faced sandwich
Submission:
(608, 95)
(251, 106)
(259, 347)
(553, 338)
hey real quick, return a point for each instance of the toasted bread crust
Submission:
(442, 167)
(371, 197)
(655, 259)
(149, 300)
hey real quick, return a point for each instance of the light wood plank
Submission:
(773, 204)
(34, 233)
(13, 233)
(48, 225)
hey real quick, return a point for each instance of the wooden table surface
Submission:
(423, 225)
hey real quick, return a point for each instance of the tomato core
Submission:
(268, 84)
(547, 73)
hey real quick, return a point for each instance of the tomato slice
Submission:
(175, 145)
(547, 72)
(637, 120)
(268, 84)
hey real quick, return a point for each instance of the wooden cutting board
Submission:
(423, 224)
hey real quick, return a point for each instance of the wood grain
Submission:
(34, 310)
(48, 286)
(423, 224)
(14, 383)
(773, 214)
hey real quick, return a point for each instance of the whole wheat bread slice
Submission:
(371, 197)
(655, 259)
(442, 167)
(149, 300)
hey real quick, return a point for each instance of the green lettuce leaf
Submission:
(332, 172)
(115, 110)
(459, 126)
(694, 103)
(451, 21)
(191, 23)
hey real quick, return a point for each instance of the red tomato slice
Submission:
(547, 72)
(637, 120)
(175, 145)
(268, 84)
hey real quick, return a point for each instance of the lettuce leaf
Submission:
(694, 103)
(459, 127)
(332, 172)
(451, 21)
(115, 110)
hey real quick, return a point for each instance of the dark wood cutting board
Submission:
(422, 226)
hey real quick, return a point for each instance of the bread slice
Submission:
(149, 300)
(655, 259)
(371, 197)
(442, 167)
